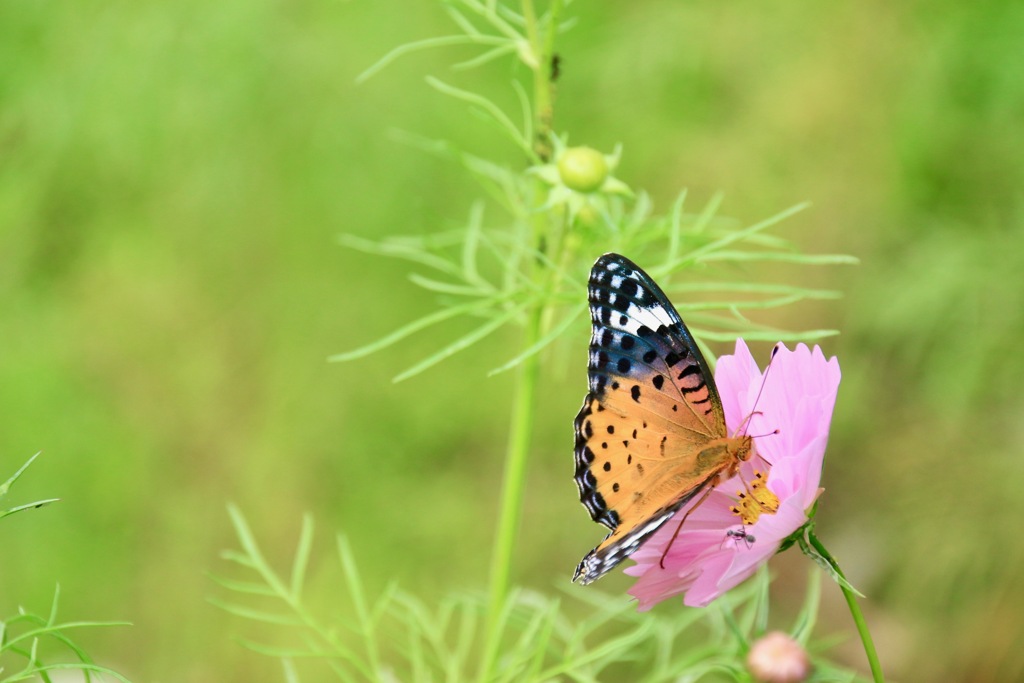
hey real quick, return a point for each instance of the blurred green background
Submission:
(172, 180)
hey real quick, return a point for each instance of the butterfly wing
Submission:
(652, 407)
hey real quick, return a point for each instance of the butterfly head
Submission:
(738, 449)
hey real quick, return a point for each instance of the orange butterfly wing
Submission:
(652, 408)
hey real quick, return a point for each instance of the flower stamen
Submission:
(755, 501)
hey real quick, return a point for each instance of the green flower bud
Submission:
(582, 169)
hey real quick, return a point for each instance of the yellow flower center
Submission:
(755, 500)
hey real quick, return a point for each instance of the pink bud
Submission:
(777, 658)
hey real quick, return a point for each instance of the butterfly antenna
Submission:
(746, 421)
(764, 379)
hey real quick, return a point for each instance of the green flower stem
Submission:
(858, 617)
(524, 407)
(512, 489)
(542, 44)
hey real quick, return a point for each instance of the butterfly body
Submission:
(651, 434)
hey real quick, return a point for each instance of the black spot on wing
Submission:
(635, 329)
(616, 282)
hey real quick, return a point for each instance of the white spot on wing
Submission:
(652, 317)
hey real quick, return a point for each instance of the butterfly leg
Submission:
(696, 505)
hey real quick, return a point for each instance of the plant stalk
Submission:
(525, 401)
(542, 45)
(514, 482)
(858, 616)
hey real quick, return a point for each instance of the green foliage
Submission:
(6, 486)
(532, 269)
(34, 640)
(538, 254)
(28, 642)
(396, 636)
(524, 278)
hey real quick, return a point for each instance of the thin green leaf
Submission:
(462, 22)
(555, 333)
(426, 44)
(525, 109)
(725, 611)
(808, 617)
(610, 649)
(245, 537)
(463, 641)
(779, 256)
(761, 604)
(715, 246)
(353, 580)
(403, 249)
(752, 287)
(750, 304)
(415, 326)
(819, 559)
(540, 643)
(246, 587)
(302, 556)
(383, 602)
(290, 674)
(676, 227)
(770, 336)
(238, 558)
(491, 16)
(497, 115)
(56, 631)
(448, 288)
(512, 16)
(471, 245)
(256, 615)
(461, 343)
(486, 57)
(708, 214)
(79, 666)
(285, 652)
(6, 486)
(52, 619)
(497, 181)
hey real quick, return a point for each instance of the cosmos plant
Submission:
(526, 269)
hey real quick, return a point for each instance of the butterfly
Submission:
(651, 434)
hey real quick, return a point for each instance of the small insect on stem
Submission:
(738, 535)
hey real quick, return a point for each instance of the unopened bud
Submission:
(777, 658)
(582, 169)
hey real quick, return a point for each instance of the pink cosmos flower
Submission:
(714, 550)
